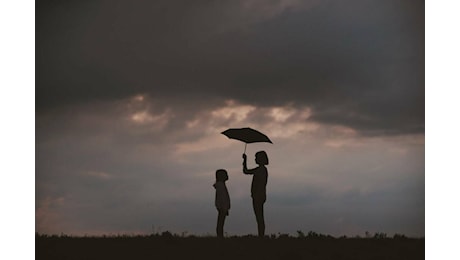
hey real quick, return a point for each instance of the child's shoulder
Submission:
(219, 184)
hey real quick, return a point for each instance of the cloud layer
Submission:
(356, 63)
(127, 165)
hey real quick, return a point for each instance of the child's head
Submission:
(262, 158)
(221, 175)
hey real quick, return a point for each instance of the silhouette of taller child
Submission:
(258, 188)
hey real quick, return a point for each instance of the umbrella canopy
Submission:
(247, 135)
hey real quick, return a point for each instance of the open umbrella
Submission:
(247, 135)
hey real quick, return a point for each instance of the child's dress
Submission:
(222, 201)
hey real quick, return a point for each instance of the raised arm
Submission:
(245, 168)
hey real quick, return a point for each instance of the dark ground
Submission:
(175, 247)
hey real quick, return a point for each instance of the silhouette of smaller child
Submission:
(222, 201)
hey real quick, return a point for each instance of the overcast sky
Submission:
(131, 98)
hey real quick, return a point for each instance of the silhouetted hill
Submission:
(169, 246)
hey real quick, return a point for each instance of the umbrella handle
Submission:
(245, 144)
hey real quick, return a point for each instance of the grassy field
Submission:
(168, 246)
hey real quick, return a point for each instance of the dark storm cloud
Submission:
(356, 63)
